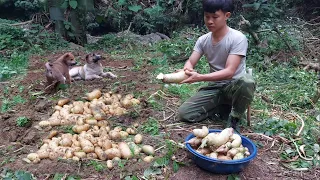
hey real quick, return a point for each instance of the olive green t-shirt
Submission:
(234, 42)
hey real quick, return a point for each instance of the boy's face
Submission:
(216, 21)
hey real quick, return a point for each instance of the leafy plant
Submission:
(22, 121)
(16, 175)
(151, 126)
(97, 165)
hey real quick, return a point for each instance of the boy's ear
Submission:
(228, 14)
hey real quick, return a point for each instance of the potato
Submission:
(105, 144)
(86, 145)
(123, 134)
(204, 151)
(95, 94)
(92, 156)
(118, 128)
(66, 142)
(69, 154)
(100, 153)
(102, 123)
(236, 141)
(44, 146)
(109, 164)
(138, 139)
(62, 102)
(222, 157)
(33, 157)
(126, 103)
(131, 131)
(135, 101)
(53, 155)
(112, 153)
(135, 148)
(147, 149)
(114, 135)
(91, 121)
(54, 121)
(44, 123)
(148, 159)
(77, 109)
(52, 134)
(238, 156)
(81, 128)
(43, 154)
(57, 108)
(125, 150)
(75, 158)
(80, 154)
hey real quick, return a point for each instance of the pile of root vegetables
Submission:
(224, 145)
(93, 138)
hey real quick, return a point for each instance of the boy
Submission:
(230, 89)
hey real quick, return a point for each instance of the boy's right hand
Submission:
(188, 69)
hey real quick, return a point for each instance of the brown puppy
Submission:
(91, 70)
(58, 71)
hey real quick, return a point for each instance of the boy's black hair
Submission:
(211, 6)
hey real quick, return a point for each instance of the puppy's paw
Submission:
(111, 75)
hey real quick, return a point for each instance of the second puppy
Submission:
(58, 70)
(91, 70)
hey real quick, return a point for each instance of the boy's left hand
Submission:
(193, 77)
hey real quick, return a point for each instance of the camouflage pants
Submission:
(231, 99)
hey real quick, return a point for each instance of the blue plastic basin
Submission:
(226, 166)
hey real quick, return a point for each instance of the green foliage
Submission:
(22, 121)
(146, 17)
(7, 103)
(59, 176)
(151, 126)
(97, 165)
(16, 175)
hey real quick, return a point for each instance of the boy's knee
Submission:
(185, 115)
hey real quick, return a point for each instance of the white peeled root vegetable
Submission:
(224, 145)
(236, 140)
(201, 133)
(176, 77)
(213, 139)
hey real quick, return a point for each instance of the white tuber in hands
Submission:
(175, 77)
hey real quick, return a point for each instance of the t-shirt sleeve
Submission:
(199, 46)
(239, 46)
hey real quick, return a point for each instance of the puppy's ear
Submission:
(88, 58)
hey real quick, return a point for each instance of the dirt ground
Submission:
(16, 142)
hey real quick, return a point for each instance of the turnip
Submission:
(175, 77)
